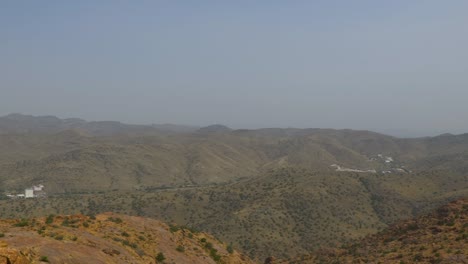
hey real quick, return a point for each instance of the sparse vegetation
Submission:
(135, 240)
(410, 244)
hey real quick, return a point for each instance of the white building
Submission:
(37, 188)
(29, 193)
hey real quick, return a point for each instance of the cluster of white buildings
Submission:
(35, 191)
(383, 158)
(390, 166)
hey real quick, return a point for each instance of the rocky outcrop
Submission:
(11, 256)
(108, 238)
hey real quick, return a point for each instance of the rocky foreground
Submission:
(439, 237)
(108, 238)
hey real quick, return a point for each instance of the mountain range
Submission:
(269, 192)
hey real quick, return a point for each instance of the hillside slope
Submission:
(108, 238)
(439, 237)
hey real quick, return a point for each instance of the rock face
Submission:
(108, 238)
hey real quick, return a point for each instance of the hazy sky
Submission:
(399, 66)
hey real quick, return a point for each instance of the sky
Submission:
(399, 67)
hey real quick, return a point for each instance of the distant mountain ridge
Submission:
(17, 123)
(217, 128)
(21, 124)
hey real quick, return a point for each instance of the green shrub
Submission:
(209, 245)
(130, 244)
(22, 223)
(418, 257)
(116, 220)
(65, 222)
(160, 257)
(44, 259)
(180, 248)
(230, 249)
(50, 219)
(214, 255)
(173, 228)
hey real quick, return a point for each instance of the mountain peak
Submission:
(216, 128)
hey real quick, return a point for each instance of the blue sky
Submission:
(398, 67)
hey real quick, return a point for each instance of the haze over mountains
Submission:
(280, 192)
(24, 124)
(65, 153)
